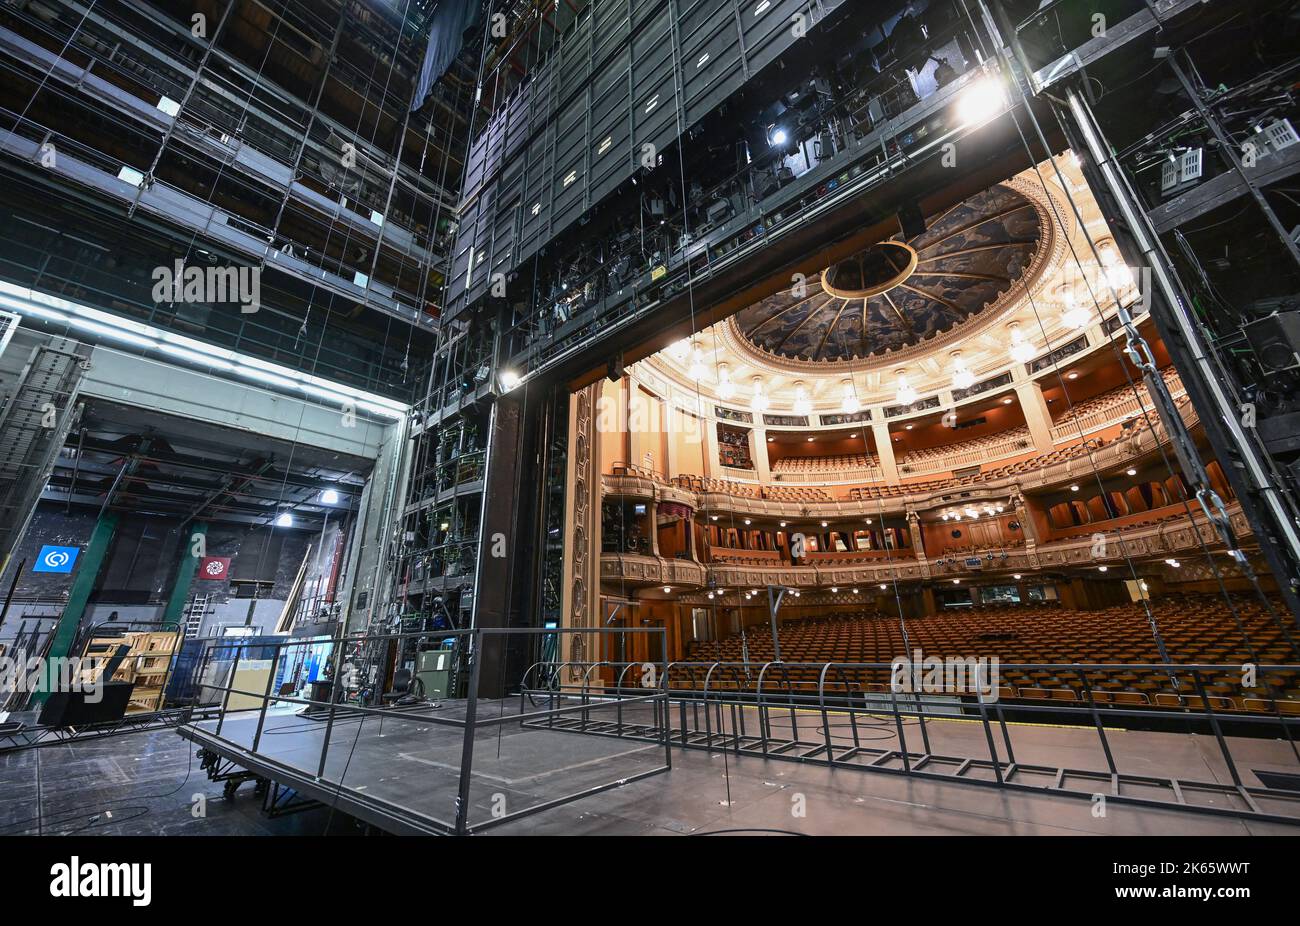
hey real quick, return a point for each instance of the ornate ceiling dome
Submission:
(902, 292)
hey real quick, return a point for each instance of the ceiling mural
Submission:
(904, 291)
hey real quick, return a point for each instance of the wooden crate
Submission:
(146, 664)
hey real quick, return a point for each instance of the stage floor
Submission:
(412, 766)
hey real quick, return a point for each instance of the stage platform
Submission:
(401, 770)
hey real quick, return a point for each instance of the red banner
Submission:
(214, 567)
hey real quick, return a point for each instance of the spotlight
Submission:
(835, 589)
(1074, 488)
(284, 520)
(777, 136)
(330, 497)
(668, 589)
(981, 101)
(508, 379)
(1102, 568)
(1131, 472)
(1016, 576)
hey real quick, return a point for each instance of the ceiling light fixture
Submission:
(1021, 350)
(849, 404)
(1075, 315)
(906, 395)
(802, 404)
(759, 401)
(697, 365)
(726, 388)
(962, 378)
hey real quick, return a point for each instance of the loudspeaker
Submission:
(1276, 341)
(911, 220)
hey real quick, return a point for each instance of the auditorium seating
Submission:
(1017, 439)
(1195, 629)
(828, 464)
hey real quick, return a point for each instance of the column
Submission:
(758, 453)
(884, 447)
(184, 574)
(1039, 419)
(918, 542)
(83, 583)
(1027, 526)
(711, 465)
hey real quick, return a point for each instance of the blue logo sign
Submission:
(56, 559)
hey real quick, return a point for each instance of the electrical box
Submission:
(433, 669)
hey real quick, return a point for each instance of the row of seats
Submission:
(1112, 399)
(1018, 437)
(780, 493)
(829, 464)
(1194, 629)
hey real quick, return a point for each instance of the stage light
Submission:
(1074, 488)
(1131, 472)
(330, 497)
(747, 521)
(777, 136)
(668, 589)
(1102, 568)
(1174, 563)
(284, 520)
(956, 581)
(823, 524)
(1016, 576)
(508, 379)
(981, 101)
(884, 587)
(835, 589)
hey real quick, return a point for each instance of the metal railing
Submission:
(788, 711)
(249, 719)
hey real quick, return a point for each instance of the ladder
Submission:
(197, 609)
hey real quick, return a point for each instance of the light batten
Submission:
(156, 340)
